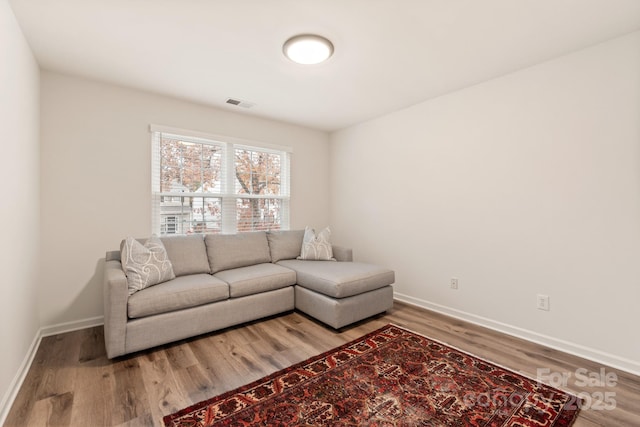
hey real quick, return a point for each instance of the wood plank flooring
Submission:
(72, 383)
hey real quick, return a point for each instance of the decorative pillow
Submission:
(145, 265)
(316, 247)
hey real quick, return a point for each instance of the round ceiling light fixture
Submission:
(308, 49)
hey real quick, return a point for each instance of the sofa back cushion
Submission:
(285, 244)
(187, 253)
(226, 251)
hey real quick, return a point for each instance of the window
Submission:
(206, 184)
(169, 225)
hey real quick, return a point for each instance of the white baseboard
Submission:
(12, 391)
(10, 395)
(61, 328)
(611, 360)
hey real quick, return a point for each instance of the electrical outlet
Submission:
(543, 302)
(454, 283)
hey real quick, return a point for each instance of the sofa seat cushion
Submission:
(257, 278)
(177, 294)
(339, 279)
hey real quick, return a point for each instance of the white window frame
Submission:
(227, 195)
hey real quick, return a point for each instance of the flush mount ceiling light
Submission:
(308, 49)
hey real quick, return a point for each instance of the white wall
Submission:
(527, 184)
(96, 178)
(19, 209)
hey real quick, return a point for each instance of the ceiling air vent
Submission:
(240, 103)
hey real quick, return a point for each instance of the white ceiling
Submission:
(389, 54)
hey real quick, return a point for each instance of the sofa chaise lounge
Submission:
(225, 280)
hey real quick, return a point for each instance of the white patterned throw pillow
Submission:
(316, 247)
(145, 265)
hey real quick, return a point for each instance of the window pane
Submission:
(258, 214)
(273, 174)
(184, 215)
(244, 168)
(174, 215)
(257, 172)
(169, 165)
(211, 169)
(207, 215)
(189, 166)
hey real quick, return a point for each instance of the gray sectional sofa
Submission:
(224, 280)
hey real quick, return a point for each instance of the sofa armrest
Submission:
(116, 295)
(342, 254)
(112, 256)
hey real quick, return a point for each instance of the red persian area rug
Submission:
(390, 377)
